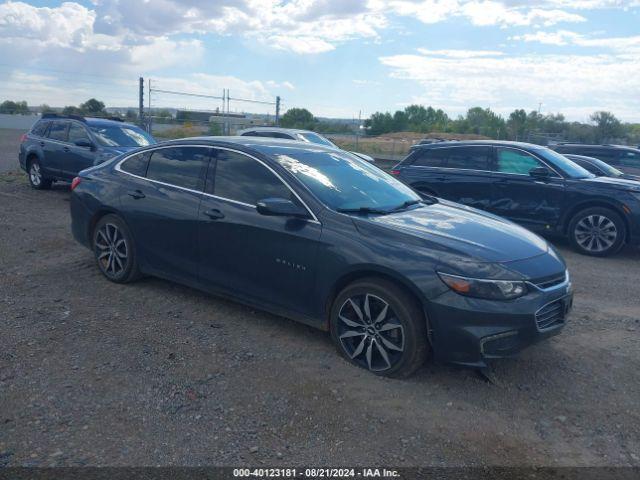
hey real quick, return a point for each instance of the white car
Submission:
(296, 134)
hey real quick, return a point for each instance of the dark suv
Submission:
(626, 159)
(531, 185)
(57, 147)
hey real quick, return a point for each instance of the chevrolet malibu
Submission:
(318, 235)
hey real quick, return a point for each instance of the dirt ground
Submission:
(153, 373)
(9, 145)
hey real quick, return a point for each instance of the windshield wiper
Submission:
(406, 204)
(363, 210)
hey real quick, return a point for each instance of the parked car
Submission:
(599, 168)
(318, 235)
(531, 185)
(296, 134)
(57, 147)
(626, 159)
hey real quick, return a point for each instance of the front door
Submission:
(55, 148)
(77, 158)
(536, 204)
(270, 259)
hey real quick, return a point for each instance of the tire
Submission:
(395, 346)
(36, 179)
(597, 231)
(115, 250)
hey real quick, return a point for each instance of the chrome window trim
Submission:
(117, 167)
(488, 171)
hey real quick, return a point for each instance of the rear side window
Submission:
(58, 131)
(469, 158)
(515, 161)
(136, 165)
(40, 128)
(433, 157)
(243, 179)
(179, 166)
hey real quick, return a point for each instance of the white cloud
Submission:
(590, 81)
(460, 53)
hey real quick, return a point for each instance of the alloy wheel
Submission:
(370, 332)
(112, 250)
(35, 175)
(596, 233)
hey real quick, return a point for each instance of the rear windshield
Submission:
(121, 136)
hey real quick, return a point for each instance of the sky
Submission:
(338, 58)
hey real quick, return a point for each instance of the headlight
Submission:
(489, 289)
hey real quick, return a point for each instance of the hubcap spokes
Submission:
(370, 332)
(596, 233)
(35, 175)
(112, 249)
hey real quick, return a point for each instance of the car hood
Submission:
(612, 182)
(464, 231)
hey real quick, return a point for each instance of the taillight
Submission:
(75, 182)
(23, 138)
(395, 172)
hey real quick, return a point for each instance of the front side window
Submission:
(180, 166)
(243, 179)
(341, 181)
(58, 131)
(77, 132)
(121, 136)
(629, 159)
(515, 161)
(137, 164)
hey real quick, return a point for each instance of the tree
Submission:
(44, 108)
(92, 106)
(131, 115)
(71, 110)
(298, 118)
(379, 123)
(517, 124)
(14, 108)
(607, 126)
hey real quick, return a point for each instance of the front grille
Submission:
(548, 282)
(550, 315)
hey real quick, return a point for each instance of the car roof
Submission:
(456, 143)
(105, 121)
(265, 145)
(275, 129)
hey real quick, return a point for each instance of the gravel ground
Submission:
(9, 145)
(153, 373)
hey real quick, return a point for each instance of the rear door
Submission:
(77, 158)
(160, 201)
(270, 259)
(518, 196)
(55, 148)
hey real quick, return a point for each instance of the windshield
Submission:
(568, 167)
(315, 138)
(344, 182)
(121, 136)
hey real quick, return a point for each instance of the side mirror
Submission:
(83, 142)
(280, 207)
(540, 173)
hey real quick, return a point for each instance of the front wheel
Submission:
(377, 326)
(597, 232)
(114, 250)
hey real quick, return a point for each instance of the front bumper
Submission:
(468, 331)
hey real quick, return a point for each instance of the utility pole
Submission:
(149, 110)
(278, 111)
(141, 103)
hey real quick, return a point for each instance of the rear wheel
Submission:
(36, 178)
(114, 250)
(597, 231)
(378, 326)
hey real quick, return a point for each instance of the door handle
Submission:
(66, 149)
(214, 214)
(42, 144)
(137, 194)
